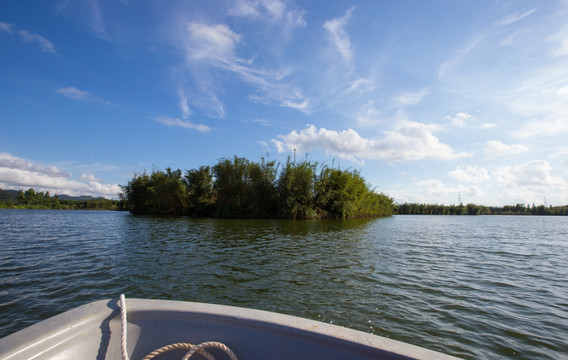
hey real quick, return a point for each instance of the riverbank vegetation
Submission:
(30, 199)
(474, 209)
(239, 188)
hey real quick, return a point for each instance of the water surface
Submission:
(480, 287)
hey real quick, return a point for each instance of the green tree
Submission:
(296, 190)
(200, 195)
(231, 187)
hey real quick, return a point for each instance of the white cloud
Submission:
(411, 98)
(11, 162)
(361, 86)
(409, 141)
(540, 103)
(97, 22)
(184, 107)
(273, 11)
(5, 27)
(338, 36)
(434, 191)
(17, 173)
(563, 92)
(214, 46)
(470, 174)
(302, 106)
(513, 18)
(460, 119)
(74, 93)
(530, 182)
(497, 148)
(45, 44)
(369, 115)
(534, 173)
(448, 68)
(168, 121)
(561, 40)
(263, 122)
(89, 178)
(244, 8)
(211, 42)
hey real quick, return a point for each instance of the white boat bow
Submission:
(93, 331)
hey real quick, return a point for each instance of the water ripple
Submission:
(473, 287)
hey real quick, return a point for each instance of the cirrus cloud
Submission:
(214, 47)
(45, 44)
(169, 122)
(338, 36)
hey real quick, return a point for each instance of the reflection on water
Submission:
(475, 287)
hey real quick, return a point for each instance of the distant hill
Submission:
(79, 198)
(11, 195)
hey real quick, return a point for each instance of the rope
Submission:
(193, 349)
(123, 323)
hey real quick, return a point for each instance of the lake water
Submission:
(481, 287)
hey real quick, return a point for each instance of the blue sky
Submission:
(433, 101)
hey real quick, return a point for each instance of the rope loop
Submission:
(193, 349)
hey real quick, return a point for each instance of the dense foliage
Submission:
(30, 199)
(474, 209)
(241, 188)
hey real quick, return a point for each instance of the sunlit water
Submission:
(474, 287)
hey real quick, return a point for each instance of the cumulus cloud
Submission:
(17, 173)
(338, 36)
(497, 148)
(409, 141)
(460, 119)
(8, 161)
(45, 44)
(534, 173)
(470, 174)
(89, 178)
(174, 122)
(530, 182)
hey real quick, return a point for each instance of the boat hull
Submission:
(93, 331)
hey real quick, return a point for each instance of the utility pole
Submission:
(459, 198)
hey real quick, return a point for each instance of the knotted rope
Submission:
(199, 348)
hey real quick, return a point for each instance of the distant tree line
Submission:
(240, 188)
(30, 199)
(474, 209)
